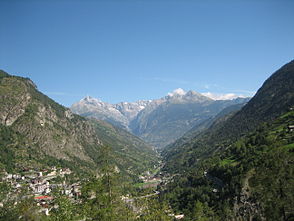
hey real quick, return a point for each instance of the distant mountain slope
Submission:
(176, 115)
(274, 98)
(221, 116)
(37, 131)
(160, 121)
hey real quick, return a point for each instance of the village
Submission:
(43, 186)
(40, 185)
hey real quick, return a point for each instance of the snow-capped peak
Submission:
(178, 91)
(91, 99)
(228, 96)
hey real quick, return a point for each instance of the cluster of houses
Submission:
(150, 181)
(40, 184)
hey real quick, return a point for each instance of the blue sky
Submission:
(129, 50)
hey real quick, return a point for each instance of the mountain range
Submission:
(159, 122)
(120, 114)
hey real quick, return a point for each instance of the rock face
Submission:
(45, 126)
(131, 110)
(47, 130)
(245, 205)
(16, 104)
(117, 114)
(160, 121)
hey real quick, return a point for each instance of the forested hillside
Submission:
(241, 168)
(251, 179)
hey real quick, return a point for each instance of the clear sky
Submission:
(129, 50)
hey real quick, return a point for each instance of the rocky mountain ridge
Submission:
(119, 114)
(159, 121)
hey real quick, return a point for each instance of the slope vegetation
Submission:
(251, 179)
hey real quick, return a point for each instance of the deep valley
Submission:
(184, 156)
